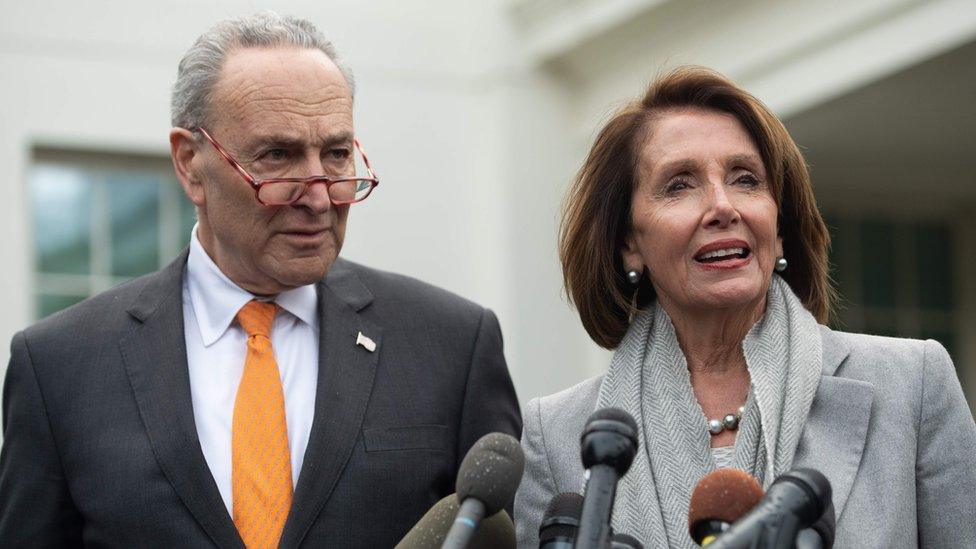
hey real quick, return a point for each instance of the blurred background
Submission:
(476, 114)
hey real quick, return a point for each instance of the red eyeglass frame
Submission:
(308, 181)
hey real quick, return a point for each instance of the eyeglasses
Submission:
(285, 191)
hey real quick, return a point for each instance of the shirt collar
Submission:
(216, 299)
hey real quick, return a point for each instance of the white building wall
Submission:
(463, 138)
(476, 114)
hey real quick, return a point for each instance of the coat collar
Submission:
(216, 299)
(346, 373)
(833, 439)
(155, 361)
(154, 354)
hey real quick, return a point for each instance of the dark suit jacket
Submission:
(100, 445)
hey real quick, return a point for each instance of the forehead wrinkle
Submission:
(257, 104)
(291, 119)
(250, 98)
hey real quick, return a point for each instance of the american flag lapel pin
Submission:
(365, 342)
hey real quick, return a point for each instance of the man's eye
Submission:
(276, 154)
(339, 154)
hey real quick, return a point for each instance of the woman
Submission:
(691, 244)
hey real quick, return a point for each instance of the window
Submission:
(895, 277)
(99, 220)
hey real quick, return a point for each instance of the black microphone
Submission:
(607, 447)
(486, 482)
(558, 527)
(793, 502)
(821, 534)
(495, 532)
(623, 541)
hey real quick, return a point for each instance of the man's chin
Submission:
(301, 271)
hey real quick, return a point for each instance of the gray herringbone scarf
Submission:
(648, 377)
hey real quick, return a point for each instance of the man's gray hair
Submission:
(201, 64)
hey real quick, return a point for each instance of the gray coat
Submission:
(100, 446)
(889, 427)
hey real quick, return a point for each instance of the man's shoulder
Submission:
(103, 312)
(397, 292)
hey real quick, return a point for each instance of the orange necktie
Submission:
(261, 474)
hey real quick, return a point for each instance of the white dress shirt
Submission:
(215, 349)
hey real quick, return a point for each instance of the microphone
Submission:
(794, 502)
(495, 532)
(821, 534)
(720, 498)
(607, 447)
(487, 479)
(623, 541)
(560, 522)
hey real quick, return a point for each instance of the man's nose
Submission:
(316, 197)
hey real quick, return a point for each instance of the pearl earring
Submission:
(781, 264)
(633, 277)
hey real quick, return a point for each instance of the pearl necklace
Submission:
(730, 422)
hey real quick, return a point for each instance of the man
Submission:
(258, 390)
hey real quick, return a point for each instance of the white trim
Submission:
(98, 168)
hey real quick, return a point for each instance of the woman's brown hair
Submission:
(596, 214)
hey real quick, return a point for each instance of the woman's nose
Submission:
(720, 212)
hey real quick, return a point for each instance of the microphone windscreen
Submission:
(491, 471)
(432, 528)
(725, 495)
(817, 489)
(613, 414)
(496, 531)
(826, 526)
(566, 504)
(561, 519)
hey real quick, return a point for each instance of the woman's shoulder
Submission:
(560, 417)
(586, 390)
(569, 405)
(551, 432)
(884, 345)
(886, 362)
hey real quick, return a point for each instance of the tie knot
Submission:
(256, 317)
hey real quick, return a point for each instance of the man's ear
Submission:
(184, 149)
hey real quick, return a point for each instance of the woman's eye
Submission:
(676, 186)
(748, 180)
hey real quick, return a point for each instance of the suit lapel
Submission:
(833, 439)
(155, 361)
(345, 380)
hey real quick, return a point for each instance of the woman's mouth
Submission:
(723, 254)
